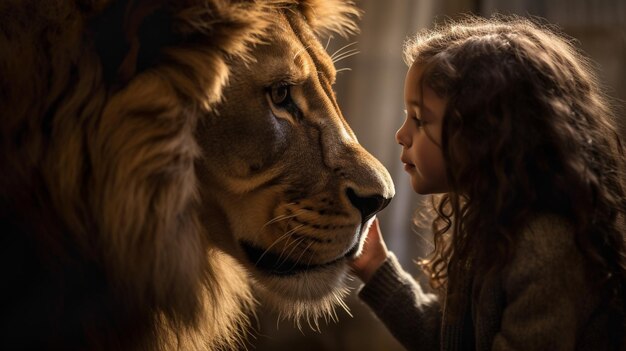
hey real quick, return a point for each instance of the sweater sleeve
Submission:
(412, 316)
(547, 294)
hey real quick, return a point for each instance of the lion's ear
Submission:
(330, 16)
(128, 36)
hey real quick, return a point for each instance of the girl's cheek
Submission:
(431, 156)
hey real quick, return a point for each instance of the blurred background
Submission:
(371, 97)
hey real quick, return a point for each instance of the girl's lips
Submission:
(408, 166)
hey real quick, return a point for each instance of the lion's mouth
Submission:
(275, 264)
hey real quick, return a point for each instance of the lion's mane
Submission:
(102, 246)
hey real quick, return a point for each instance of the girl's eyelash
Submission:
(419, 122)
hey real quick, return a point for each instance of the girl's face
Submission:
(420, 135)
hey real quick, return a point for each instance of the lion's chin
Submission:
(300, 292)
(307, 296)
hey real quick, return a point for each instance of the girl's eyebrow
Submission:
(423, 108)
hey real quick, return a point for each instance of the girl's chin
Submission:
(427, 190)
(424, 188)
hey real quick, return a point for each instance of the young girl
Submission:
(506, 119)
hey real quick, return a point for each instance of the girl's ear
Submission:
(128, 36)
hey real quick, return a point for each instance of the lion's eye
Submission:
(281, 103)
(279, 94)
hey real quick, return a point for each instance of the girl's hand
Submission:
(372, 256)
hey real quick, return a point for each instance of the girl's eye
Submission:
(418, 122)
(279, 94)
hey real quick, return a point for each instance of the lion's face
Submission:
(285, 169)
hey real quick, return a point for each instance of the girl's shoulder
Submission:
(546, 240)
(545, 252)
(545, 231)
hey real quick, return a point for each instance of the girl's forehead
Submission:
(415, 89)
(415, 71)
(412, 84)
(417, 95)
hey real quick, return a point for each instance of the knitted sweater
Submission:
(542, 300)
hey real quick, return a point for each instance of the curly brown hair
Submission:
(526, 131)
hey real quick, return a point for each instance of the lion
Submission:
(166, 164)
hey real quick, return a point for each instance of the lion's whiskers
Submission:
(300, 51)
(338, 52)
(282, 217)
(294, 244)
(327, 43)
(301, 254)
(310, 260)
(277, 241)
(345, 55)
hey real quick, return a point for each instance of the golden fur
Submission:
(139, 178)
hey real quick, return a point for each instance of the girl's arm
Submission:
(412, 316)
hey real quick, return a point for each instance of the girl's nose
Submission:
(401, 137)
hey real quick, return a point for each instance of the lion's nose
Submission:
(367, 205)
